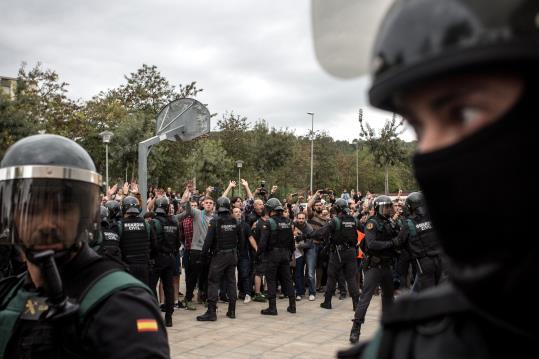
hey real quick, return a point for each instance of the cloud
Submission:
(254, 58)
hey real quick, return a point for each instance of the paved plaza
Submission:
(312, 332)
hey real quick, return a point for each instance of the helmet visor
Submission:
(45, 214)
(385, 209)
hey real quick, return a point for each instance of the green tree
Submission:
(210, 164)
(13, 125)
(233, 134)
(386, 147)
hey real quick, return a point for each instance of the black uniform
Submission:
(111, 241)
(136, 242)
(127, 324)
(380, 240)
(419, 239)
(277, 244)
(224, 234)
(166, 247)
(341, 233)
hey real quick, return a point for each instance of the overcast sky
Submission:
(255, 58)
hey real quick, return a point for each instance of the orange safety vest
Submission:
(360, 236)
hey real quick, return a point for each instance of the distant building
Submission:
(7, 85)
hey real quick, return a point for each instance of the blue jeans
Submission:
(299, 276)
(245, 274)
(311, 256)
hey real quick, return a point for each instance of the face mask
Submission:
(475, 193)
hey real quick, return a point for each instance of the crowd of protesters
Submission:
(191, 211)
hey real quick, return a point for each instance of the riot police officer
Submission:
(115, 213)
(277, 244)
(166, 247)
(137, 240)
(71, 302)
(418, 237)
(381, 242)
(341, 232)
(110, 240)
(224, 234)
(465, 77)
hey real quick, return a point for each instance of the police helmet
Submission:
(115, 211)
(415, 43)
(223, 204)
(273, 204)
(130, 205)
(104, 215)
(161, 205)
(414, 202)
(381, 203)
(340, 205)
(48, 176)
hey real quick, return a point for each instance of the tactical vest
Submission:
(423, 241)
(14, 299)
(280, 233)
(167, 234)
(384, 232)
(226, 232)
(134, 240)
(111, 244)
(345, 231)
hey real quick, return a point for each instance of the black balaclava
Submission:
(475, 191)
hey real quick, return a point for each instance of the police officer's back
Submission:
(167, 245)
(277, 243)
(110, 239)
(137, 240)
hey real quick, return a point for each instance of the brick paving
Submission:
(312, 332)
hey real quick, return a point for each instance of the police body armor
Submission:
(227, 228)
(346, 231)
(167, 234)
(384, 232)
(423, 241)
(281, 233)
(111, 243)
(134, 240)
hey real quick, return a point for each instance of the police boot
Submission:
(168, 320)
(355, 301)
(354, 333)
(272, 309)
(326, 304)
(210, 315)
(291, 304)
(231, 310)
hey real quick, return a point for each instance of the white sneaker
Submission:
(311, 297)
(298, 297)
(247, 299)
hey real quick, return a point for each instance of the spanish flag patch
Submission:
(146, 325)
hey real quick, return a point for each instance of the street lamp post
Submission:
(106, 136)
(239, 164)
(357, 166)
(312, 147)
